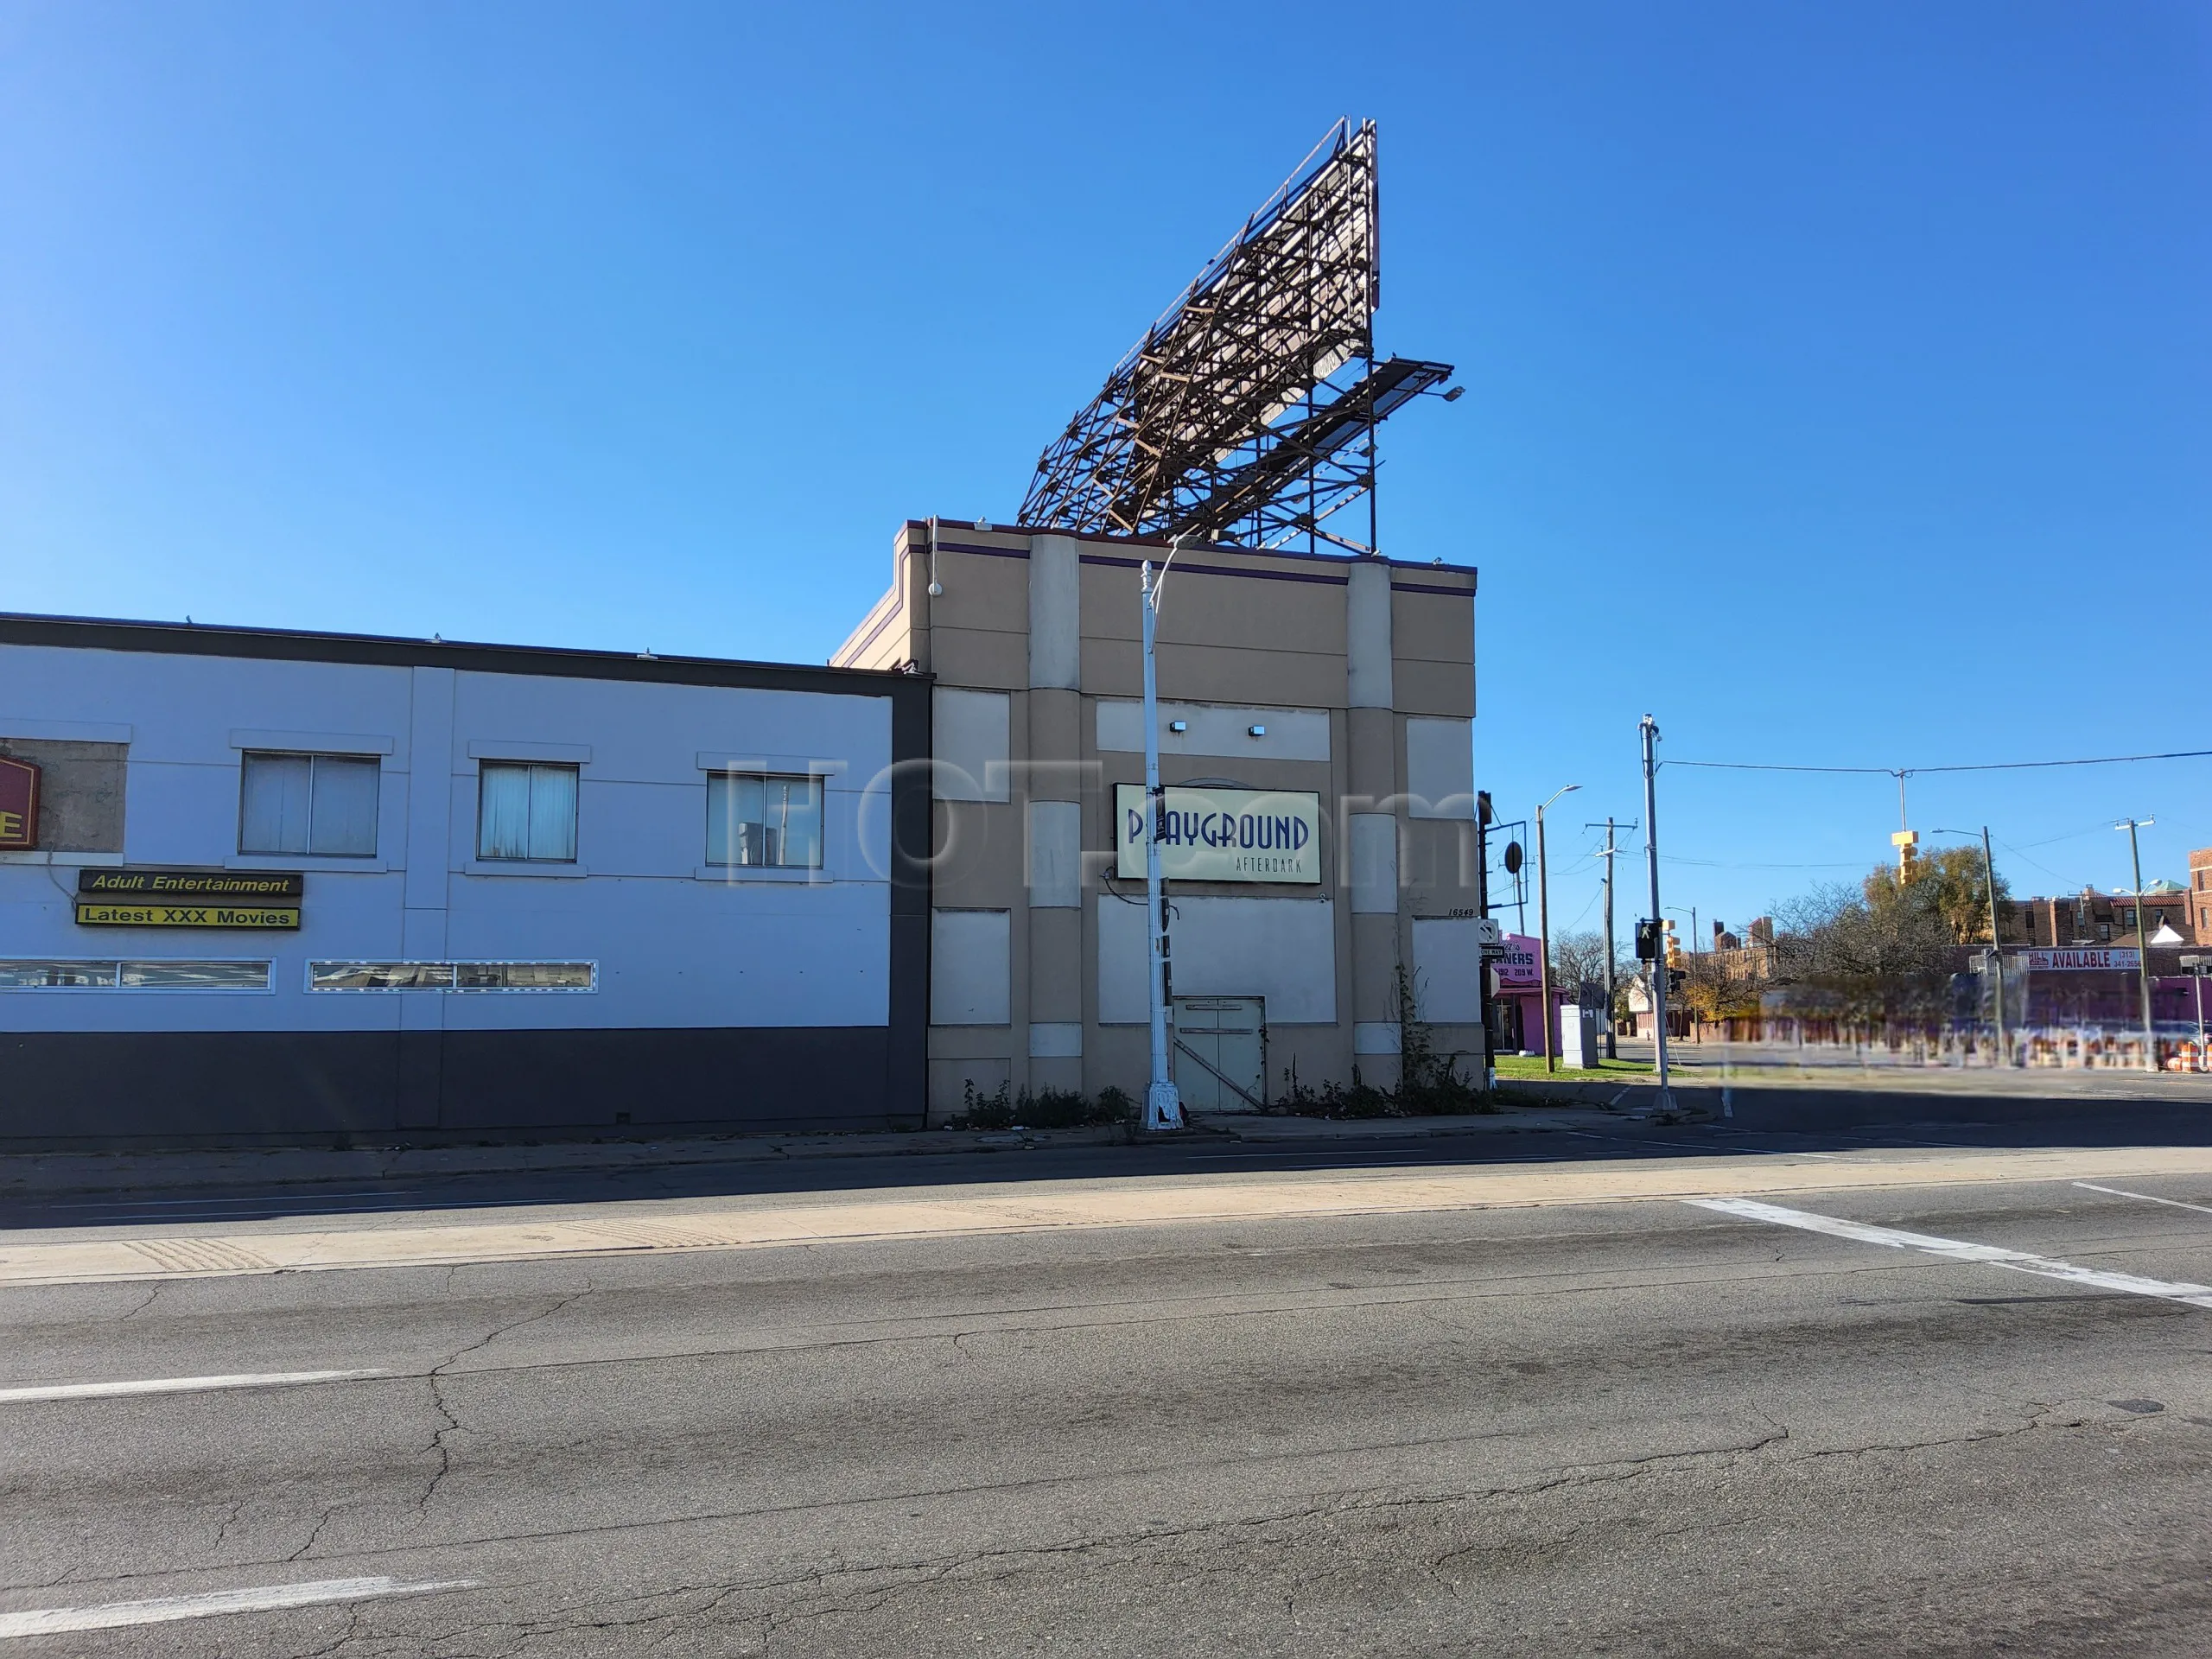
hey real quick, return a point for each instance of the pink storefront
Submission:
(1517, 990)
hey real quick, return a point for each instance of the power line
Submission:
(1720, 864)
(1914, 772)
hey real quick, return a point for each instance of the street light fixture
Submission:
(1544, 926)
(2142, 941)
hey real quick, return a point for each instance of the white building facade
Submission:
(283, 885)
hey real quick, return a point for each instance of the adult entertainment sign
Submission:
(1223, 835)
(259, 900)
(2048, 960)
(191, 884)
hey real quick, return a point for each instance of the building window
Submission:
(763, 819)
(526, 810)
(453, 976)
(323, 805)
(175, 975)
(2104, 931)
(2127, 916)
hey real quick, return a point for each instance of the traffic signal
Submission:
(1674, 946)
(1647, 941)
(1676, 978)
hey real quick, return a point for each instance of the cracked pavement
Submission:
(1621, 1428)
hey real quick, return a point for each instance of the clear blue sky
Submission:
(1839, 378)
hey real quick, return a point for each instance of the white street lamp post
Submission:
(1163, 1104)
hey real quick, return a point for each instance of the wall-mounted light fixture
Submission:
(1179, 725)
(1259, 731)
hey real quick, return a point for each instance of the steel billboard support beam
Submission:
(1247, 411)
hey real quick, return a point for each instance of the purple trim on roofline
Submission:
(1219, 570)
(987, 552)
(1161, 541)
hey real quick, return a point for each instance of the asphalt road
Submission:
(1576, 1427)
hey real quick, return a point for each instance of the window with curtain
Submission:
(321, 806)
(526, 810)
(764, 820)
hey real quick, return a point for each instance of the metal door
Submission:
(1220, 1052)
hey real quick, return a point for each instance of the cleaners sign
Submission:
(1223, 835)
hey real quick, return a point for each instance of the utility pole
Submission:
(1481, 908)
(1649, 728)
(1163, 1105)
(1610, 1054)
(2197, 965)
(2142, 942)
(1997, 945)
(2197, 972)
(1544, 925)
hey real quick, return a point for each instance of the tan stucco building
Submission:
(1349, 681)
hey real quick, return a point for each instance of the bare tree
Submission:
(1578, 965)
(1883, 953)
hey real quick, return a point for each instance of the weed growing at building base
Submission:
(1042, 1109)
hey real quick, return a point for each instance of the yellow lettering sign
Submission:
(101, 913)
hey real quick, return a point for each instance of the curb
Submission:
(44, 1174)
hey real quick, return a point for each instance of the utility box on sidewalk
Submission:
(1578, 1037)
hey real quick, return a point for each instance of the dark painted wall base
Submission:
(185, 1089)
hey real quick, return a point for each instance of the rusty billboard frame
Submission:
(1247, 413)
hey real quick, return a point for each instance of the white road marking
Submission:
(2147, 1197)
(179, 1385)
(52, 1621)
(1951, 1248)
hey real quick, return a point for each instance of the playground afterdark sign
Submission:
(1223, 835)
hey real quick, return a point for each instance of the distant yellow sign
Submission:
(100, 913)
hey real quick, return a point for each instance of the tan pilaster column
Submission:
(1054, 823)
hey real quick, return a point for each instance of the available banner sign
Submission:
(1223, 834)
(18, 805)
(2130, 960)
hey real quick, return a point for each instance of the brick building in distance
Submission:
(2092, 918)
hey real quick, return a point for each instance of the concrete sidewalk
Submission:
(29, 1174)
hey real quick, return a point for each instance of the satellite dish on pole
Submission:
(1513, 858)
